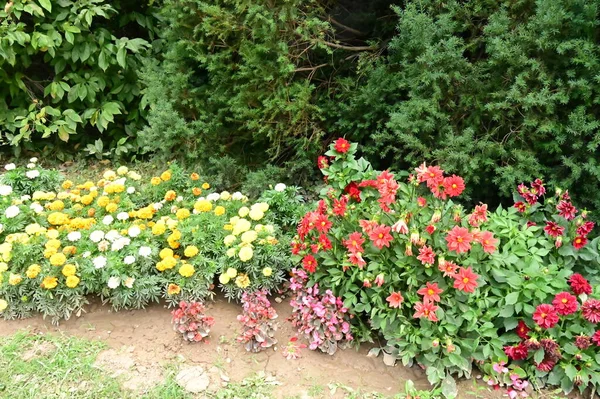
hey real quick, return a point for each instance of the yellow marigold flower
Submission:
(49, 282)
(165, 253)
(72, 281)
(263, 206)
(225, 196)
(175, 235)
(87, 199)
(14, 279)
(53, 243)
(242, 281)
(245, 254)
(58, 259)
(166, 175)
(69, 250)
(182, 214)
(3, 305)
(145, 213)
(48, 252)
(187, 270)
(231, 252)
(158, 229)
(34, 229)
(243, 211)
(134, 175)
(109, 175)
(122, 170)
(67, 184)
(169, 262)
(160, 266)
(118, 188)
(173, 289)
(231, 272)
(191, 251)
(3, 267)
(203, 206)
(103, 201)
(155, 181)
(174, 244)
(194, 176)
(61, 196)
(58, 218)
(57, 205)
(196, 191)
(249, 236)
(229, 240)
(241, 226)
(52, 234)
(256, 214)
(219, 210)
(69, 270)
(206, 186)
(224, 279)
(170, 195)
(33, 271)
(110, 208)
(228, 227)
(91, 212)
(267, 272)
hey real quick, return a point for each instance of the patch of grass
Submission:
(255, 387)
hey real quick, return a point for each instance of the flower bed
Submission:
(445, 286)
(131, 240)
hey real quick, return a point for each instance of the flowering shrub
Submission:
(259, 329)
(189, 319)
(132, 240)
(321, 317)
(443, 285)
(29, 179)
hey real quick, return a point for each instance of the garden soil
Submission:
(142, 345)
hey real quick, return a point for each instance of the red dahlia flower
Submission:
(323, 224)
(545, 316)
(566, 210)
(537, 187)
(520, 206)
(354, 242)
(459, 239)
(465, 280)
(353, 191)
(487, 241)
(426, 309)
(322, 162)
(325, 242)
(522, 330)
(591, 310)
(585, 229)
(454, 185)
(395, 299)
(547, 364)
(516, 352)
(380, 236)
(309, 263)
(583, 342)
(580, 242)
(565, 303)
(554, 229)
(339, 206)
(357, 259)
(579, 284)
(426, 255)
(596, 338)
(432, 175)
(431, 292)
(422, 202)
(342, 145)
(447, 267)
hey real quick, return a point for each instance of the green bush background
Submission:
(499, 92)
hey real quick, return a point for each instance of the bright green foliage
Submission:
(68, 71)
(497, 91)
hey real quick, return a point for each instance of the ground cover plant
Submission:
(131, 239)
(446, 286)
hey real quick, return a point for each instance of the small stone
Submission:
(193, 379)
(228, 360)
(278, 300)
(224, 377)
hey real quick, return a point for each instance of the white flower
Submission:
(112, 235)
(123, 216)
(12, 211)
(33, 160)
(134, 231)
(129, 282)
(74, 236)
(145, 251)
(36, 207)
(97, 236)
(86, 254)
(107, 220)
(1, 227)
(174, 208)
(10, 166)
(280, 187)
(30, 165)
(157, 206)
(134, 175)
(130, 190)
(99, 262)
(213, 196)
(5, 190)
(179, 199)
(25, 197)
(237, 196)
(32, 174)
(120, 244)
(114, 282)
(129, 260)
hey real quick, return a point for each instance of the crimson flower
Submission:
(465, 280)
(591, 310)
(585, 228)
(537, 186)
(354, 242)
(454, 185)
(426, 255)
(520, 206)
(516, 352)
(309, 263)
(322, 162)
(381, 236)
(342, 145)
(583, 342)
(545, 316)
(554, 229)
(566, 210)
(426, 309)
(323, 224)
(565, 303)
(325, 242)
(522, 330)
(431, 292)
(421, 201)
(579, 284)
(395, 299)
(339, 206)
(580, 242)
(596, 338)
(353, 191)
(459, 239)
(430, 229)
(547, 364)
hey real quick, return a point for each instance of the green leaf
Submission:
(121, 54)
(570, 371)
(47, 4)
(512, 298)
(449, 389)
(539, 355)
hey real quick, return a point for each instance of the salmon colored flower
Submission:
(395, 299)
(322, 162)
(426, 309)
(357, 259)
(354, 242)
(431, 292)
(459, 239)
(447, 267)
(454, 186)
(381, 236)
(309, 263)
(487, 241)
(426, 255)
(465, 280)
